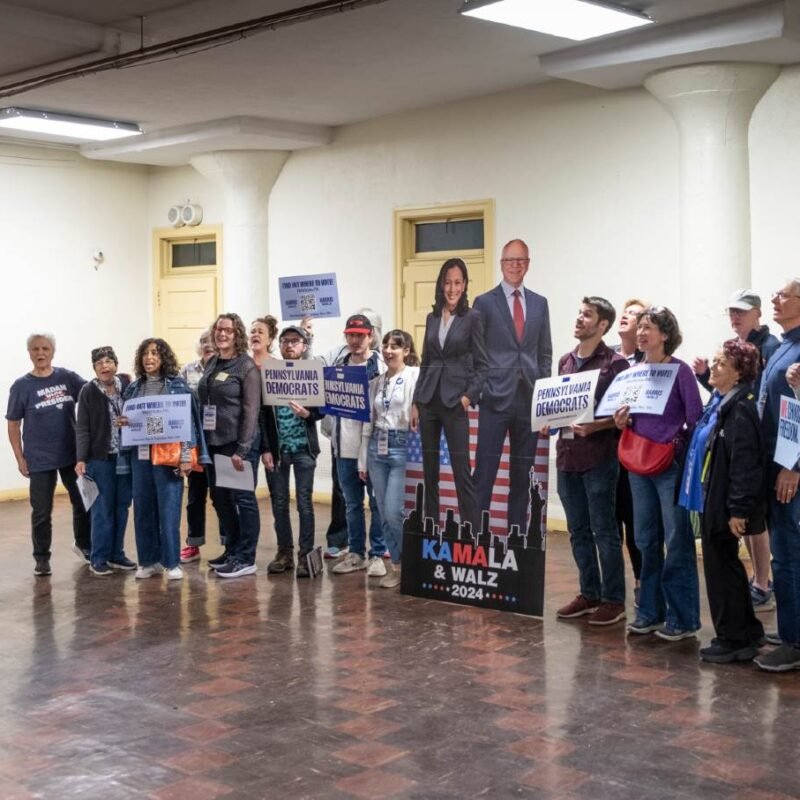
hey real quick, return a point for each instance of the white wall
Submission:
(56, 209)
(589, 178)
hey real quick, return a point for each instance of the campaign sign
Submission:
(158, 418)
(787, 448)
(299, 381)
(476, 568)
(347, 392)
(309, 296)
(644, 388)
(564, 400)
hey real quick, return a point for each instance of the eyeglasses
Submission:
(226, 331)
(514, 260)
(291, 342)
(782, 295)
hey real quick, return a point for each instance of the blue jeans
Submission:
(278, 481)
(589, 503)
(388, 476)
(110, 510)
(157, 499)
(670, 591)
(784, 538)
(237, 510)
(353, 491)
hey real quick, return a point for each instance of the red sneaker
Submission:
(189, 554)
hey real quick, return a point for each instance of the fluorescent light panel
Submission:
(67, 125)
(569, 19)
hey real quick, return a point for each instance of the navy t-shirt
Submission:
(46, 407)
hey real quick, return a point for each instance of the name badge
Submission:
(383, 443)
(143, 452)
(221, 376)
(209, 418)
(567, 433)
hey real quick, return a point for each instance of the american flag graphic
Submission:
(447, 488)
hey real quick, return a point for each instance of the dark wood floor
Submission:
(275, 688)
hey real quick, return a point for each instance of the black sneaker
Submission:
(302, 566)
(220, 561)
(235, 569)
(721, 652)
(283, 561)
(100, 570)
(42, 569)
(123, 563)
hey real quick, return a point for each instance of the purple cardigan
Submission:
(684, 407)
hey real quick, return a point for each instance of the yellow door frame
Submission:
(405, 219)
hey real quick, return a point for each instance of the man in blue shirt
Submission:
(41, 429)
(784, 500)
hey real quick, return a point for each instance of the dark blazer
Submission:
(510, 359)
(457, 369)
(93, 426)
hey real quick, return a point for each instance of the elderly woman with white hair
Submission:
(41, 429)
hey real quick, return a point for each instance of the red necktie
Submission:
(519, 317)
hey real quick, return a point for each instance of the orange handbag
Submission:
(168, 454)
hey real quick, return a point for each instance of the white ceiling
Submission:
(376, 60)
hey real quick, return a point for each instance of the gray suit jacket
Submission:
(510, 359)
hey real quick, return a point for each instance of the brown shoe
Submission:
(608, 614)
(577, 608)
(283, 562)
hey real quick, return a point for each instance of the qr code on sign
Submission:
(155, 426)
(308, 303)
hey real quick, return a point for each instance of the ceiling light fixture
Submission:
(67, 125)
(569, 19)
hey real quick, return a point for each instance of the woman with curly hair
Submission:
(669, 601)
(158, 489)
(230, 394)
(724, 489)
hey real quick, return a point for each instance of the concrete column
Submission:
(712, 105)
(246, 179)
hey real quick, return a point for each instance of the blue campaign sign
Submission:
(347, 393)
(309, 296)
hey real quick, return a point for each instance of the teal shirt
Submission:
(291, 430)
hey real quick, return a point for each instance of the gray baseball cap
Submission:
(744, 300)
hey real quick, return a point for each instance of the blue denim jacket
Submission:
(177, 385)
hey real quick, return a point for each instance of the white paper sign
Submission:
(159, 418)
(787, 449)
(229, 478)
(300, 381)
(564, 400)
(88, 489)
(645, 388)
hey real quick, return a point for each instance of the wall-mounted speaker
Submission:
(174, 216)
(191, 214)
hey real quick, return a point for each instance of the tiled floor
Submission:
(273, 688)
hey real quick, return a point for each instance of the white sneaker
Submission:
(352, 562)
(149, 572)
(175, 574)
(392, 577)
(377, 567)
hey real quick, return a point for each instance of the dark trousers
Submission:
(42, 490)
(624, 514)
(728, 590)
(336, 535)
(196, 510)
(433, 418)
(237, 511)
(304, 465)
(492, 428)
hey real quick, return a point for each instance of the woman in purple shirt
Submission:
(669, 604)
